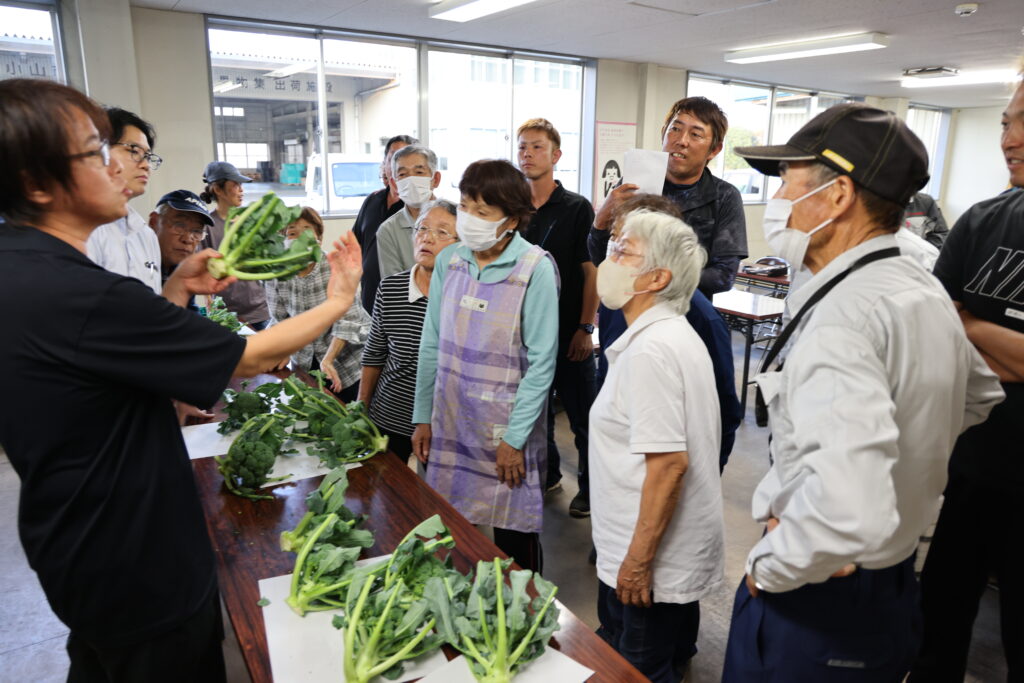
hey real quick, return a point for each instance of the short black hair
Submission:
(121, 119)
(33, 149)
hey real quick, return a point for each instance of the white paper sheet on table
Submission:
(203, 441)
(550, 666)
(646, 168)
(309, 648)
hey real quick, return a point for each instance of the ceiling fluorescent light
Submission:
(962, 78)
(468, 10)
(809, 48)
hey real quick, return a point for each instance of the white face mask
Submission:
(476, 233)
(789, 243)
(615, 283)
(288, 242)
(415, 190)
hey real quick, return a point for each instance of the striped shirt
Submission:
(289, 298)
(394, 343)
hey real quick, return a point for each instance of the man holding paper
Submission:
(693, 135)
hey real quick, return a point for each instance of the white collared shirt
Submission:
(878, 383)
(414, 290)
(129, 247)
(659, 397)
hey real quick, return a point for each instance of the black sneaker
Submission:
(580, 506)
(551, 487)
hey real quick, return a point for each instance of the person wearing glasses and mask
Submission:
(127, 246)
(109, 515)
(654, 449)
(391, 354)
(224, 184)
(487, 359)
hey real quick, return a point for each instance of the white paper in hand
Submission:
(646, 169)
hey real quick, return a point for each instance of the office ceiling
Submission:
(694, 34)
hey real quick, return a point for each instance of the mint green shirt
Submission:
(539, 331)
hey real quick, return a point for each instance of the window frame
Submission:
(423, 47)
(773, 89)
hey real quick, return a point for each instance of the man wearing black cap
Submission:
(978, 535)
(180, 222)
(861, 427)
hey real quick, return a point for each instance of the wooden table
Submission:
(778, 285)
(743, 311)
(245, 536)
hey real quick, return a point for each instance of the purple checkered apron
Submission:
(480, 361)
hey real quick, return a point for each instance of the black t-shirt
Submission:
(109, 514)
(561, 227)
(372, 213)
(982, 266)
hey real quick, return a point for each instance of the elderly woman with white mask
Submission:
(655, 488)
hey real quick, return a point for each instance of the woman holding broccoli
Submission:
(224, 187)
(336, 352)
(487, 359)
(109, 515)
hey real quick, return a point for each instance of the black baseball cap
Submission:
(874, 147)
(222, 170)
(183, 200)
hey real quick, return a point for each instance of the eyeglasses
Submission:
(438, 234)
(182, 229)
(138, 155)
(618, 251)
(103, 153)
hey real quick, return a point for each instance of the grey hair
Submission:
(427, 154)
(430, 206)
(820, 173)
(671, 244)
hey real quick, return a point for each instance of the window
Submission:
(307, 115)
(747, 109)
(932, 126)
(268, 106)
(29, 44)
(758, 115)
(464, 129)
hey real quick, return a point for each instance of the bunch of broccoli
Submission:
(340, 433)
(242, 405)
(253, 245)
(247, 465)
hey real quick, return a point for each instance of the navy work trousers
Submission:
(575, 385)
(863, 628)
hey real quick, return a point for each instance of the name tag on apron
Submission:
(473, 304)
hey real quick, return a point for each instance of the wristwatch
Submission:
(587, 327)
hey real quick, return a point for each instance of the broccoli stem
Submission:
(243, 275)
(280, 260)
(232, 228)
(238, 249)
(300, 562)
(502, 644)
(404, 653)
(484, 629)
(351, 673)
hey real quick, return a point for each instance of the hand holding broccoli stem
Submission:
(327, 364)
(192, 276)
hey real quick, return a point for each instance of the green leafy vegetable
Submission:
(495, 625)
(326, 499)
(242, 405)
(218, 312)
(387, 620)
(253, 246)
(339, 433)
(263, 602)
(246, 467)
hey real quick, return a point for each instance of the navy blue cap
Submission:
(183, 200)
(222, 170)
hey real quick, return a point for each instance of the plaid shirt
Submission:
(291, 297)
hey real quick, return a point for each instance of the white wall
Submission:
(975, 168)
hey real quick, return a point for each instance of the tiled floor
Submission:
(32, 639)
